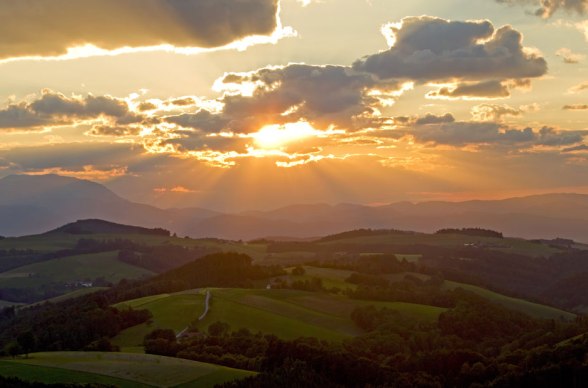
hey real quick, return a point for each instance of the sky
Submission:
(255, 104)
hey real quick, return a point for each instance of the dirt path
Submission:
(202, 316)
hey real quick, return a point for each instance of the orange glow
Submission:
(276, 136)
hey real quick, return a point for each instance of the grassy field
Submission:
(409, 258)
(512, 245)
(71, 295)
(292, 313)
(119, 369)
(286, 313)
(5, 303)
(56, 241)
(52, 375)
(72, 268)
(331, 277)
(533, 309)
(170, 311)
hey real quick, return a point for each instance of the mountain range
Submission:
(34, 204)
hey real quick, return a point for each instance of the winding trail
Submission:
(206, 305)
(202, 316)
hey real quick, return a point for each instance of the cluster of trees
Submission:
(162, 258)
(13, 382)
(479, 232)
(69, 325)
(476, 343)
(364, 233)
(410, 289)
(85, 321)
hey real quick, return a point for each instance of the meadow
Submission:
(71, 269)
(118, 369)
(287, 314)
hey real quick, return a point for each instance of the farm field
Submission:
(119, 369)
(71, 295)
(291, 313)
(71, 269)
(330, 277)
(535, 310)
(170, 311)
(54, 241)
(510, 245)
(288, 314)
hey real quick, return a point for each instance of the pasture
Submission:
(119, 369)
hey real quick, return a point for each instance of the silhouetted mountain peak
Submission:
(43, 189)
(96, 226)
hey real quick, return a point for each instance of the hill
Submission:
(117, 369)
(35, 204)
(105, 227)
(288, 314)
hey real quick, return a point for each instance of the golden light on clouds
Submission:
(276, 136)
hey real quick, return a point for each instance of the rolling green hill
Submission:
(170, 311)
(510, 245)
(336, 278)
(287, 314)
(535, 310)
(118, 369)
(71, 269)
(59, 240)
(532, 309)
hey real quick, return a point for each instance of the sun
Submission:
(276, 136)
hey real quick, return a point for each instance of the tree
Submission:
(298, 271)
(218, 329)
(27, 342)
(13, 349)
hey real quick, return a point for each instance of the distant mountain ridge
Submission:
(35, 204)
(106, 227)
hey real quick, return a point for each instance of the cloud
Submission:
(495, 112)
(482, 63)
(583, 28)
(467, 133)
(578, 88)
(433, 50)
(546, 8)
(322, 95)
(93, 173)
(576, 107)
(479, 90)
(174, 189)
(578, 148)
(41, 28)
(118, 131)
(52, 109)
(568, 56)
(433, 119)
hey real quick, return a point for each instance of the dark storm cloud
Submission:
(50, 27)
(428, 49)
(546, 8)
